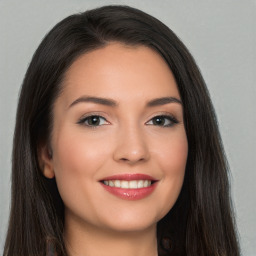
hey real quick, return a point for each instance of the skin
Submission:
(127, 140)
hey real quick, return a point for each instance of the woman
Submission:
(116, 148)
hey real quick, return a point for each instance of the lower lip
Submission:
(130, 194)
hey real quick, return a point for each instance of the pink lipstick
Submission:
(129, 186)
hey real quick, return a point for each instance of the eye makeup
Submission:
(163, 121)
(95, 120)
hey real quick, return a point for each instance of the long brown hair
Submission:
(201, 222)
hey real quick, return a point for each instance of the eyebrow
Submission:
(97, 100)
(163, 101)
(112, 103)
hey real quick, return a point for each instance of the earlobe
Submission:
(46, 162)
(48, 172)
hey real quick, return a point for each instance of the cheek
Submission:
(78, 154)
(171, 153)
(76, 161)
(172, 159)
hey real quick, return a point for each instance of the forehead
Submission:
(118, 70)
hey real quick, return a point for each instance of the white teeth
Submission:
(140, 183)
(111, 183)
(146, 183)
(124, 184)
(117, 183)
(132, 184)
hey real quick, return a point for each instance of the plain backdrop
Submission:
(221, 36)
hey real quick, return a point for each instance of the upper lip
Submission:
(130, 176)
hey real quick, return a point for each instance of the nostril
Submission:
(132, 160)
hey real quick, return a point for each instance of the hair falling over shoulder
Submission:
(202, 220)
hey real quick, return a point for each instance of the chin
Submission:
(135, 226)
(131, 222)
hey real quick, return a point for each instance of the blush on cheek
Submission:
(174, 157)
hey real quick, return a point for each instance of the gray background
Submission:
(220, 35)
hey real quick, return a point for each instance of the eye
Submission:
(93, 120)
(163, 120)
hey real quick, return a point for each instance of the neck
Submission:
(94, 241)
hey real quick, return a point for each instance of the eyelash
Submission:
(85, 119)
(171, 119)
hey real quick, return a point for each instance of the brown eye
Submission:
(164, 121)
(159, 121)
(93, 121)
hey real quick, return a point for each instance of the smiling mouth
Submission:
(131, 184)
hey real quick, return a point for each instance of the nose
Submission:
(131, 146)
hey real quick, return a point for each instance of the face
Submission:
(119, 146)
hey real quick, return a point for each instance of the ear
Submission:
(45, 161)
